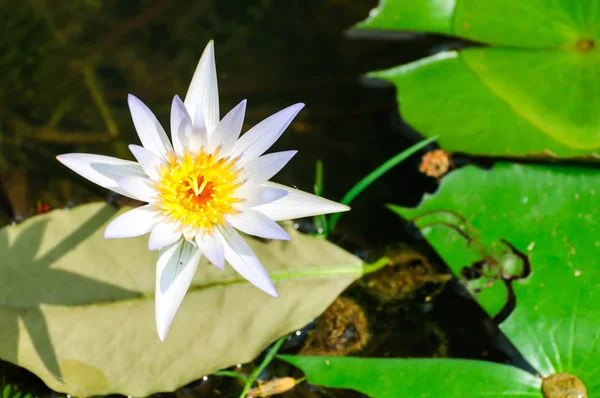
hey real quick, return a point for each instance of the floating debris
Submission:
(273, 387)
(435, 163)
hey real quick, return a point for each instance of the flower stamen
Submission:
(199, 190)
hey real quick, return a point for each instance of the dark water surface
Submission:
(69, 65)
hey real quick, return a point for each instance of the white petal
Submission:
(183, 133)
(266, 166)
(254, 223)
(164, 234)
(149, 161)
(212, 248)
(135, 222)
(228, 130)
(139, 188)
(174, 273)
(260, 195)
(260, 137)
(149, 130)
(203, 94)
(102, 170)
(297, 204)
(181, 125)
(244, 261)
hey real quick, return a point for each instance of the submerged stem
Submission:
(231, 373)
(91, 82)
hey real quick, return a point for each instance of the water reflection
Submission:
(70, 66)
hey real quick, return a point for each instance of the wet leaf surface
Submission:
(419, 377)
(550, 214)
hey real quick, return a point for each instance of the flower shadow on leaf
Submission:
(28, 282)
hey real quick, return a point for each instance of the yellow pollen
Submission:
(198, 190)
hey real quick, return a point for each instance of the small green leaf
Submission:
(78, 310)
(393, 378)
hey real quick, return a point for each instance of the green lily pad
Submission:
(78, 310)
(532, 24)
(549, 214)
(513, 217)
(427, 15)
(535, 92)
(393, 378)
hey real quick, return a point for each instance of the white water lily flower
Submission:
(201, 187)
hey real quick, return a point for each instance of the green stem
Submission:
(58, 113)
(320, 220)
(319, 178)
(351, 270)
(374, 175)
(231, 373)
(257, 371)
(376, 266)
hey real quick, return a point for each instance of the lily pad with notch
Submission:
(530, 90)
(549, 213)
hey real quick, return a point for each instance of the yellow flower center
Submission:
(197, 190)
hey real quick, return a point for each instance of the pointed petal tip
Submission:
(283, 235)
(66, 157)
(272, 292)
(298, 107)
(209, 51)
(343, 208)
(335, 208)
(162, 329)
(294, 109)
(268, 287)
(63, 158)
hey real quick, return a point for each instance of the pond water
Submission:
(67, 70)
